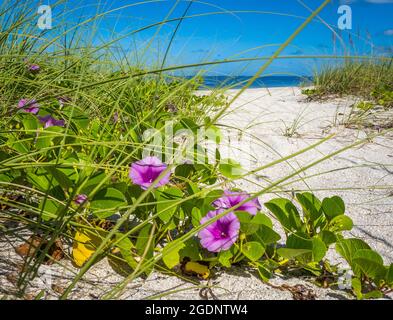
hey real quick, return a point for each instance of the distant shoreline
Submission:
(211, 82)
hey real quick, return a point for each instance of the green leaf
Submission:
(50, 208)
(333, 207)
(143, 239)
(286, 213)
(311, 207)
(266, 235)
(246, 224)
(60, 177)
(340, 223)
(375, 294)
(264, 271)
(40, 180)
(143, 248)
(5, 178)
(328, 237)
(47, 135)
(314, 268)
(214, 134)
(196, 217)
(230, 168)
(171, 255)
(253, 250)
(19, 146)
(92, 182)
(357, 288)
(191, 250)
(184, 170)
(289, 253)
(370, 263)
(78, 116)
(211, 196)
(167, 201)
(125, 246)
(389, 275)
(188, 123)
(262, 219)
(250, 224)
(317, 248)
(107, 199)
(347, 249)
(30, 122)
(224, 257)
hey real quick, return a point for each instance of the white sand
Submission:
(362, 176)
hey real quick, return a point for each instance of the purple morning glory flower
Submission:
(63, 100)
(49, 121)
(221, 234)
(80, 198)
(232, 198)
(34, 68)
(29, 105)
(115, 117)
(144, 172)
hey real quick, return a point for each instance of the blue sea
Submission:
(263, 82)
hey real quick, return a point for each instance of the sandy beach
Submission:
(277, 122)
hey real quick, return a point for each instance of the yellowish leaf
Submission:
(196, 268)
(85, 244)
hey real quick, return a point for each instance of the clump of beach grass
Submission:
(368, 79)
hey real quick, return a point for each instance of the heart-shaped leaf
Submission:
(107, 199)
(340, 223)
(311, 206)
(347, 249)
(266, 235)
(224, 257)
(315, 246)
(286, 213)
(370, 263)
(253, 250)
(167, 202)
(230, 168)
(333, 207)
(171, 255)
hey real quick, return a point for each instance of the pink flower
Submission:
(144, 172)
(49, 121)
(115, 117)
(29, 105)
(34, 68)
(63, 100)
(80, 198)
(232, 198)
(221, 234)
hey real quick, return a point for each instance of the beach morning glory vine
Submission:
(49, 121)
(28, 105)
(232, 198)
(144, 172)
(221, 234)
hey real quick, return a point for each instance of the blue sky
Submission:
(246, 28)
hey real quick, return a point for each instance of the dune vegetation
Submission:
(370, 80)
(81, 179)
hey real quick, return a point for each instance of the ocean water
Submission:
(263, 82)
